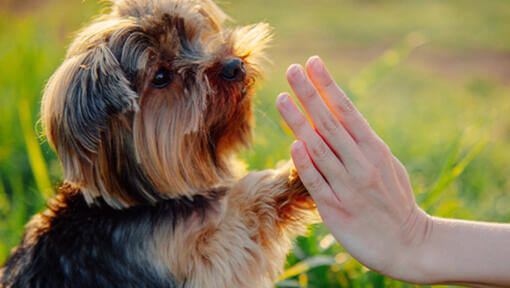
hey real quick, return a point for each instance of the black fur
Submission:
(74, 245)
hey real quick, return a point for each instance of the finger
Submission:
(328, 126)
(323, 158)
(370, 144)
(316, 185)
(338, 101)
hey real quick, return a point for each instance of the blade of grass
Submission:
(4, 210)
(3, 252)
(306, 265)
(447, 166)
(35, 156)
(451, 171)
(4, 204)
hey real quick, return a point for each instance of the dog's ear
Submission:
(80, 98)
(90, 88)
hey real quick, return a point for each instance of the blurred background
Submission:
(432, 77)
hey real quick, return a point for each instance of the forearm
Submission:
(467, 253)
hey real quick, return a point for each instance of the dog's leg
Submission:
(270, 208)
(244, 238)
(275, 200)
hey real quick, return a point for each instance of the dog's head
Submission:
(152, 100)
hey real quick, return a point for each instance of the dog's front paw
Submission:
(296, 201)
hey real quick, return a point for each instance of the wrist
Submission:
(424, 259)
(414, 259)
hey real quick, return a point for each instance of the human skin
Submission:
(365, 198)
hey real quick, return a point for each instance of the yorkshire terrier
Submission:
(146, 114)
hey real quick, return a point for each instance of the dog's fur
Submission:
(153, 196)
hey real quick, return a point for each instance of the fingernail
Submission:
(296, 73)
(283, 99)
(317, 64)
(297, 146)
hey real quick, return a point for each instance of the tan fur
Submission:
(244, 241)
(128, 143)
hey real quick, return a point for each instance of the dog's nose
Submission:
(233, 70)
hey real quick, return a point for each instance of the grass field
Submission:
(432, 78)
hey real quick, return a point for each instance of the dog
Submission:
(147, 113)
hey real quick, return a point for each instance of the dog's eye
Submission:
(162, 78)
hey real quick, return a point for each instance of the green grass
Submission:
(406, 66)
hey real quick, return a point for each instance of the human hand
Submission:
(361, 190)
